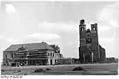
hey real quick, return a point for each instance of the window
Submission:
(53, 54)
(94, 29)
(82, 28)
(55, 61)
(50, 54)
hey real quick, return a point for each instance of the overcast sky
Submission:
(57, 23)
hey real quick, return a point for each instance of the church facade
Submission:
(90, 50)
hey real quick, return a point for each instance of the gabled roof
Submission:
(30, 46)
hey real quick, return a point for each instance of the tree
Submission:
(56, 48)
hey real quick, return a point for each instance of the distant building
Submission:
(68, 61)
(30, 54)
(90, 50)
(111, 60)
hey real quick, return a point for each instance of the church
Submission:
(90, 51)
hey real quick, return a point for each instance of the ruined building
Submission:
(30, 54)
(90, 50)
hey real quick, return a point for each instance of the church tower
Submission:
(82, 31)
(90, 51)
(95, 44)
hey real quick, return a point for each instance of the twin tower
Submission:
(90, 50)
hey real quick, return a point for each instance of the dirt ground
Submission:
(90, 69)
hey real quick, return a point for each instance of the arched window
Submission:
(94, 29)
(82, 28)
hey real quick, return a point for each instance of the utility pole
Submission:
(92, 56)
(84, 58)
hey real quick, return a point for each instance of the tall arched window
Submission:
(82, 28)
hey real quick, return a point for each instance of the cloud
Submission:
(114, 23)
(6, 41)
(9, 39)
(2, 37)
(57, 27)
(44, 36)
(109, 16)
(108, 19)
(34, 37)
(10, 8)
(103, 27)
(109, 43)
(39, 37)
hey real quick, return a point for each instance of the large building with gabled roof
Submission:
(30, 54)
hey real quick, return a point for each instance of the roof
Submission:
(30, 46)
(88, 31)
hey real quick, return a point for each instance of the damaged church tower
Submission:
(90, 50)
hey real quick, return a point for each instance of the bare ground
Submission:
(90, 69)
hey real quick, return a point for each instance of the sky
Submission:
(58, 23)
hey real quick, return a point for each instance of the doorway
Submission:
(51, 62)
